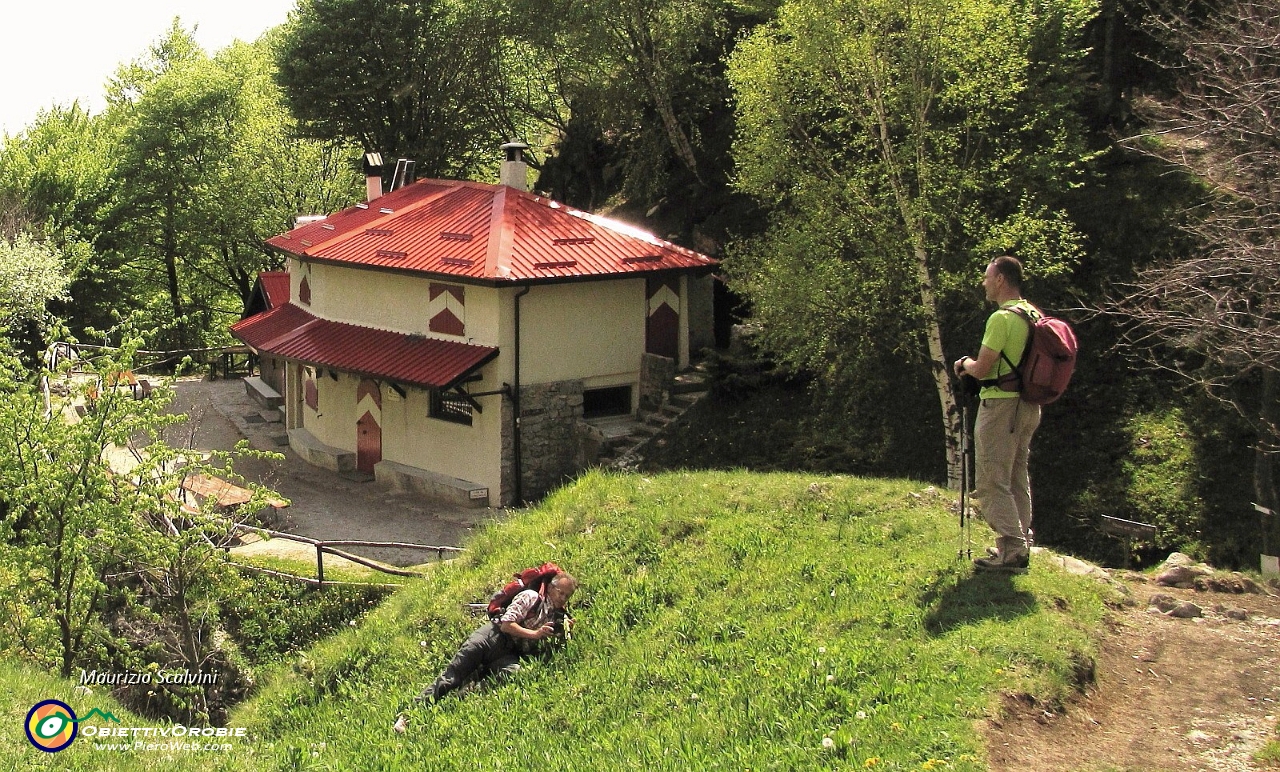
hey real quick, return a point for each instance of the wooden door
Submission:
(662, 328)
(368, 426)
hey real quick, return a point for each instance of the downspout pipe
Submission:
(515, 406)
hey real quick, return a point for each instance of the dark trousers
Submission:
(488, 648)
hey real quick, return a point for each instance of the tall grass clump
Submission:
(726, 620)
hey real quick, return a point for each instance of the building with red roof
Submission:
(453, 336)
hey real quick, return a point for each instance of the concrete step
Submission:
(687, 383)
(659, 420)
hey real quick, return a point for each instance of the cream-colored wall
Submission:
(587, 330)
(409, 436)
(472, 453)
(334, 423)
(399, 302)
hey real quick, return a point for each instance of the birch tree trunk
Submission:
(951, 415)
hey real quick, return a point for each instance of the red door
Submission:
(369, 426)
(662, 328)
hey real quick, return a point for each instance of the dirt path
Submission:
(1171, 694)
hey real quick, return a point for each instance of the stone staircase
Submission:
(627, 438)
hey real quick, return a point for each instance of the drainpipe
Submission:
(515, 406)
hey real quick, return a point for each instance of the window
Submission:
(450, 406)
(597, 403)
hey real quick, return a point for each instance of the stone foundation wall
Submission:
(507, 495)
(551, 438)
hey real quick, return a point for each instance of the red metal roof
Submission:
(275, 285)
(290, 332)
(489, 233)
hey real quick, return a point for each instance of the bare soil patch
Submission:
(1170, 694)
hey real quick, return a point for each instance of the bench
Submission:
(315, 452)
(432, 485)
(227, 495)
(262, 393)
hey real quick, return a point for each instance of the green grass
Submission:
(25, 686)
(1268, 756)
(726, 620)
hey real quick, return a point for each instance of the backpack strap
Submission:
(1026, 349)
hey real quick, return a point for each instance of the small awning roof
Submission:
(289, 332)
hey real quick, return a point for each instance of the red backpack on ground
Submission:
(1048, 360)
(529, 579)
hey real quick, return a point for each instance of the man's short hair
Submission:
(565, 580)
(1010, 268)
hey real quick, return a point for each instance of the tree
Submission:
(31, 275)
(902, 144)
(406, 79)
(55, 183)
(208, 170)
(646, 91)
(1212, 317)
(97, 543)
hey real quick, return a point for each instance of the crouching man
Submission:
(497, 646)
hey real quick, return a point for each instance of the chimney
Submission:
(373, 175)
(515, 172)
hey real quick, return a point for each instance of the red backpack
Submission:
(1048, 359)
(529, 579)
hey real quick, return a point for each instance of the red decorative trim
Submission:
(447, 324)
(370, 388)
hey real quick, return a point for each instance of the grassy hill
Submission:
(726, 620)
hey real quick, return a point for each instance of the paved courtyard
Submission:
(324, 505)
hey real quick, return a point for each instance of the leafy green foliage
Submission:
(31, 275)
(206, 149)
(160, 205)
(104, 565)
(900, 146)
(409, 80)
(270, 617)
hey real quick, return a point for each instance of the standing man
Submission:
(1002, 432)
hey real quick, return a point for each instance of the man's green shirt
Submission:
(1006, 332)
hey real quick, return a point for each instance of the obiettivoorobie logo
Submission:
(52, 724)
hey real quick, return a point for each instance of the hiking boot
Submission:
(401, 725)
(1016, 563)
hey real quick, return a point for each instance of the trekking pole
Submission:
(966, 447)
(965, 536)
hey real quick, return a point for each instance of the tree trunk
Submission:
(654, 75)
(171, 262)
(951, 415)
(1264, 457)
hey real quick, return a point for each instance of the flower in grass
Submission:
(828, 743)
(822, 649)
(933, 764)
(830, 678)
(895, 726)
(861, 714)
(871, 762)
